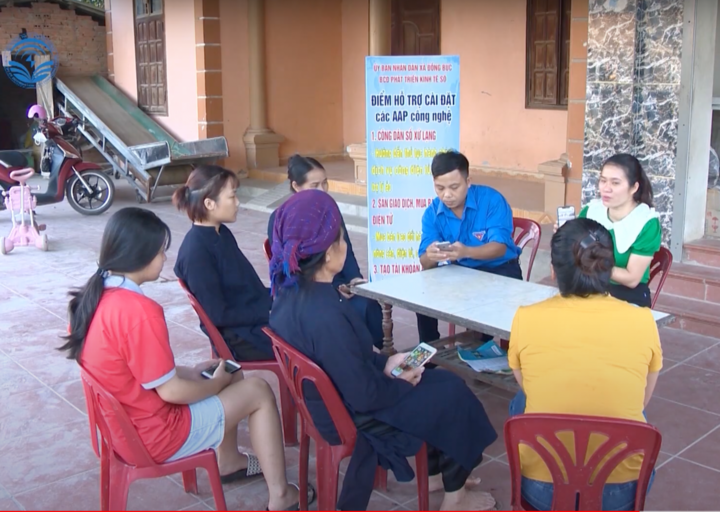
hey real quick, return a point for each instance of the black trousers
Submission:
(640, 295)
(243, 350)
(428, 327)
(454, 475)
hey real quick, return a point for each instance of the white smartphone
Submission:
(230, 367)
(443, 246)
(415, 359)
(564, 214)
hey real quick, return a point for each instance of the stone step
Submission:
(698, 282)
(691, 315)
(705, 251)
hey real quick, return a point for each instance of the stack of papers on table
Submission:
(488, 358)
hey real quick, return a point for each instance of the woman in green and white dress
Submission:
(625, 208)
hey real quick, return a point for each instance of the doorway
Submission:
(415, 27)
(14, 104)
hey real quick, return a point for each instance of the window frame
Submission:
(161, 110)
(562, 55)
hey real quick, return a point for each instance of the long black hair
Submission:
(581, 253)
(133, 237)
(634, 173)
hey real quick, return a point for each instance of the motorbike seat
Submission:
(13, 159)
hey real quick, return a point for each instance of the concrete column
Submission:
(380, 27)
(379, 37)
(261, 143)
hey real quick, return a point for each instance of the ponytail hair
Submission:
(581, 253)
(132, 239)
(205, 182)
(634, 173)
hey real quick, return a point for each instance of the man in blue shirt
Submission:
(475, 219)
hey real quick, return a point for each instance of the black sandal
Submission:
(311, 497)
(252, 470)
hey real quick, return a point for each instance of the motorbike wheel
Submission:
(90, 203)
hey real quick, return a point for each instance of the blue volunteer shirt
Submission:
(487, 217)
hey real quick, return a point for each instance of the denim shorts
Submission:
(207, 429)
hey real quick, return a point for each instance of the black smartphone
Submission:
(230, 367)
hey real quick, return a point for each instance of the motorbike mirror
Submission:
(60, 121)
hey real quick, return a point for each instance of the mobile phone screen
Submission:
(418, 357)
(443, 246)
(564, 214)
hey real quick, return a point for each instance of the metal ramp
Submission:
(135, 146)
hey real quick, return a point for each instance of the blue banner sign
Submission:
(413, 112)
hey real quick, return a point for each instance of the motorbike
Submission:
(88, 189)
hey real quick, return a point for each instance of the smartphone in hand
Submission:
(564, 214)
(230, 367)
(415, 359)
(443, 246)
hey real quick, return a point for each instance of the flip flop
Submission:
(311, 497)
(252, 470)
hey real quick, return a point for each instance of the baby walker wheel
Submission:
(42, 242)
(6, 245)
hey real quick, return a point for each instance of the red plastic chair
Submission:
(579, 490)
(297, 369)
(289, 411)
(267, 249)
(660, 266)
(529, 231)
(117, 473)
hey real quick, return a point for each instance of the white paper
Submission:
(6, 58)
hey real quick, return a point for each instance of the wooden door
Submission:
(415, 27)
(150, 56)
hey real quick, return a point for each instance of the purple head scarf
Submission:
(306, 224)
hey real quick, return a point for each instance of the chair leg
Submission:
(120, 481)
(304, 467)
(451, 330)
(189, 479)
(381, 478)
(216, 485)
(327, 479)
(104, 479)
(289, 414)
(421, 473)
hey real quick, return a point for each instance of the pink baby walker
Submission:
(20, 202)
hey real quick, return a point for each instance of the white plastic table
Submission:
(478, 301)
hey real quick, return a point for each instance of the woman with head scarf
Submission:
(393, 415)
(306, 173)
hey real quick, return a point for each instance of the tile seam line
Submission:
(697, 464)
(25, 491)
(689, 406)
(699, 439)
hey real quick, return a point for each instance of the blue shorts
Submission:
(207, 429)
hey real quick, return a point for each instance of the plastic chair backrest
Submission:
(267, 249)
(95, 395)
(660, 265)
(296, 369)
(583, 487)
(529, 231)
(216, 339)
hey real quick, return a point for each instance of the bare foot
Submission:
(436, 484)
(287, 500)
(466, 499)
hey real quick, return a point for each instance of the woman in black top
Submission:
(306, 173)
(214, 268)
